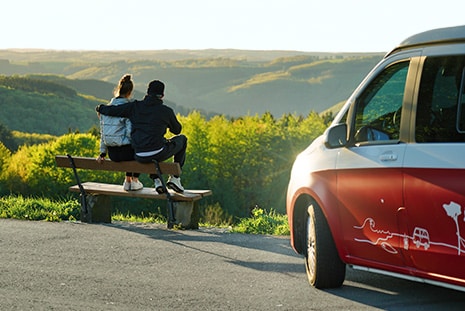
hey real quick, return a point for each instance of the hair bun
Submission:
(125, 86)
(126, 78)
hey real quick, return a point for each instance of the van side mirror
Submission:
(336, 136)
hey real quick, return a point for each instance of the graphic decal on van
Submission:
(454, 210)
(420, 237)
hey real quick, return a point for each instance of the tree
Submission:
(7, 138)
(5, 156)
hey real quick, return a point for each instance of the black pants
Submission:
(122, 153)
(176, 146)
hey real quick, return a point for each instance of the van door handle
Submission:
(388, 156)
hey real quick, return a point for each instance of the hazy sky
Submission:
(305, 25)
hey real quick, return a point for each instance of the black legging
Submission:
(122, 153)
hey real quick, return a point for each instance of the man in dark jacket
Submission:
(150, 119)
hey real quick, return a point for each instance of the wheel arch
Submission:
(299, 219)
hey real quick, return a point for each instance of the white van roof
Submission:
(434, 36)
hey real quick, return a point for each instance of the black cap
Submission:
(156, 87)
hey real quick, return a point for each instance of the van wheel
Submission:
(324, 267)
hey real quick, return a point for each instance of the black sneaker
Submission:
(175, 184)
(158, 186)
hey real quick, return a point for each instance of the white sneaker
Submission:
(126, 186)
(175, 184)
(136, 185)
(158, 185)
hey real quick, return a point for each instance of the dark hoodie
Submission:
(150, 119)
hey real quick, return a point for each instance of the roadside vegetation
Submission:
(245, 162)
(43, 209)
(32, 208)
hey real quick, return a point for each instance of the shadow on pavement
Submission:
(264, 243)
(369, 289)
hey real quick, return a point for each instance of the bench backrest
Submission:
(124, 166)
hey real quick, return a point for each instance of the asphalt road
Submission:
(122, 266)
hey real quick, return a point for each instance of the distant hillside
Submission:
(39, 106)
(230, 82)
(48, 104)
(37, 56)
(98, 88)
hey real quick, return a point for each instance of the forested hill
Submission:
(229, 82)
(52, 104)
(38, 106)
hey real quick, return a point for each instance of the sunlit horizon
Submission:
(296, 25)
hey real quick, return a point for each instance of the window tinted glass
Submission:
(461, 107)
(380, 106)
(440, 112)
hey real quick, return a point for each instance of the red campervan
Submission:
(383, 189)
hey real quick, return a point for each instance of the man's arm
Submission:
(174, 125)
(123, 110)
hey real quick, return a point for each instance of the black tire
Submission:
(324, 267)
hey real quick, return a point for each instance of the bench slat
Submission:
(149, 193)
(124, 166)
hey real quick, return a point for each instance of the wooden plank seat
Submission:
(146, 192)
(95, 197)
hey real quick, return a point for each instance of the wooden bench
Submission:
(95, 197)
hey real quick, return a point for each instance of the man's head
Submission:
(157, 88)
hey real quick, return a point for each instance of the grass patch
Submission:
(263, 222)
(150, 218)
(30, 208)
(19, 207)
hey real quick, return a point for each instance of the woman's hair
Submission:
(124, 87)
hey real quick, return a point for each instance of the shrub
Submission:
(32, 169)
(19, 207)
(5, 156)
(262, 222)
(214, 215)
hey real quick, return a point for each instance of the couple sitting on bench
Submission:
(135, 130)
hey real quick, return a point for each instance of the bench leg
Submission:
(99, 209)
(187, 215)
